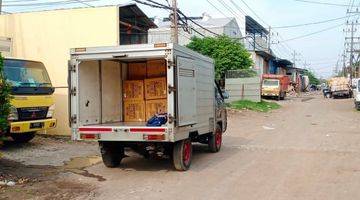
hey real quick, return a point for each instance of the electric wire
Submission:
(323, 3)
(313, 33)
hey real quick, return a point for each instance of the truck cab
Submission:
(32, 103)
(274, 86)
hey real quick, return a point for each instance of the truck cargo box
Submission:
(105, 94)
(111, 100)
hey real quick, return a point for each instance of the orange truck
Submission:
(275, 86)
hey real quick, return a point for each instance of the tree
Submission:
(4, 99)
(229, 54)
(312, 78)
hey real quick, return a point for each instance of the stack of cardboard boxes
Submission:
(145, 91)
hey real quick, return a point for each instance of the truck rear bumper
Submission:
(270, 94)
(128, 134)
(30, 126)
(341, 93)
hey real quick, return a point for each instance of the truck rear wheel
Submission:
(182, 155)
(112, 153)
(282, 97)
(22, 137)
(215, 140)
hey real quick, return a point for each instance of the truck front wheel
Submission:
(22, 137)
(215, 140)
(112, 153)
(182, 155)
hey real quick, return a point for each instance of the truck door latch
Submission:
(171, 89)
(73, 91)
(170, 64)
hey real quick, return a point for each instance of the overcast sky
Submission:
(320, 50)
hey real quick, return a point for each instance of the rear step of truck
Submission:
(123, 133)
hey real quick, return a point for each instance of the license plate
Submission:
(37, 125)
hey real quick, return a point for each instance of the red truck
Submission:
(275, 86)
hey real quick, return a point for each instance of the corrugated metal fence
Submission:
(242, 86)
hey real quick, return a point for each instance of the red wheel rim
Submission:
(187, 152)
(218, 139)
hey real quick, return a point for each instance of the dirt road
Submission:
(308, 149)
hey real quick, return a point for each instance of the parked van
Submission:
(155, 99)
(32, 103)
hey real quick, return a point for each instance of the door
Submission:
(72, 93)
(186, 96)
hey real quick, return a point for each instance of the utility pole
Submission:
(174, 25)
(0, 7)
(351, 50)
(344, 64)
(294, 54)
(269, 45)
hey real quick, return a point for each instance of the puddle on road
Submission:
(82, 162)
(77, 166)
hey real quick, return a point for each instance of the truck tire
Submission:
(282, 96)
(215, 140)
(182, 155)
(22, 137)
(112, 153)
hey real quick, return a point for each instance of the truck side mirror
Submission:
(225, 95)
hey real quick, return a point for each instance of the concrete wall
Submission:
(48, 36)
(243, 89)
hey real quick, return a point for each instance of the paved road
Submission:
(308, 149)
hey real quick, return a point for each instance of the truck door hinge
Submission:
(73, 91)
(171, 119)
(72, 66)
(171, 89)
(73, 119)
(170, 64)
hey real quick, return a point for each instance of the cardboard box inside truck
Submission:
(134, 111)
(137, 71)
(156, 68)
(156, 106)
(155, 88)
(133, 90)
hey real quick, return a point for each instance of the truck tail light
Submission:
(89, 136)
(154, 137)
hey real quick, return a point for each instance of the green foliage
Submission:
(312, 78)
(229, 54)
(262, 106)
(4, 99)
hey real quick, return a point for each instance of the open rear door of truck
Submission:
(186, 96)
(72, 93)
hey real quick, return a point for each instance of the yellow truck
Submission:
(32, 105)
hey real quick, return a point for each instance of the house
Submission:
(47, 36)
(220, 26)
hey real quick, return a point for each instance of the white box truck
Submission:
(195, 103)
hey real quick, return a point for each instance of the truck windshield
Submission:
(273, 83)
(22, 73)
